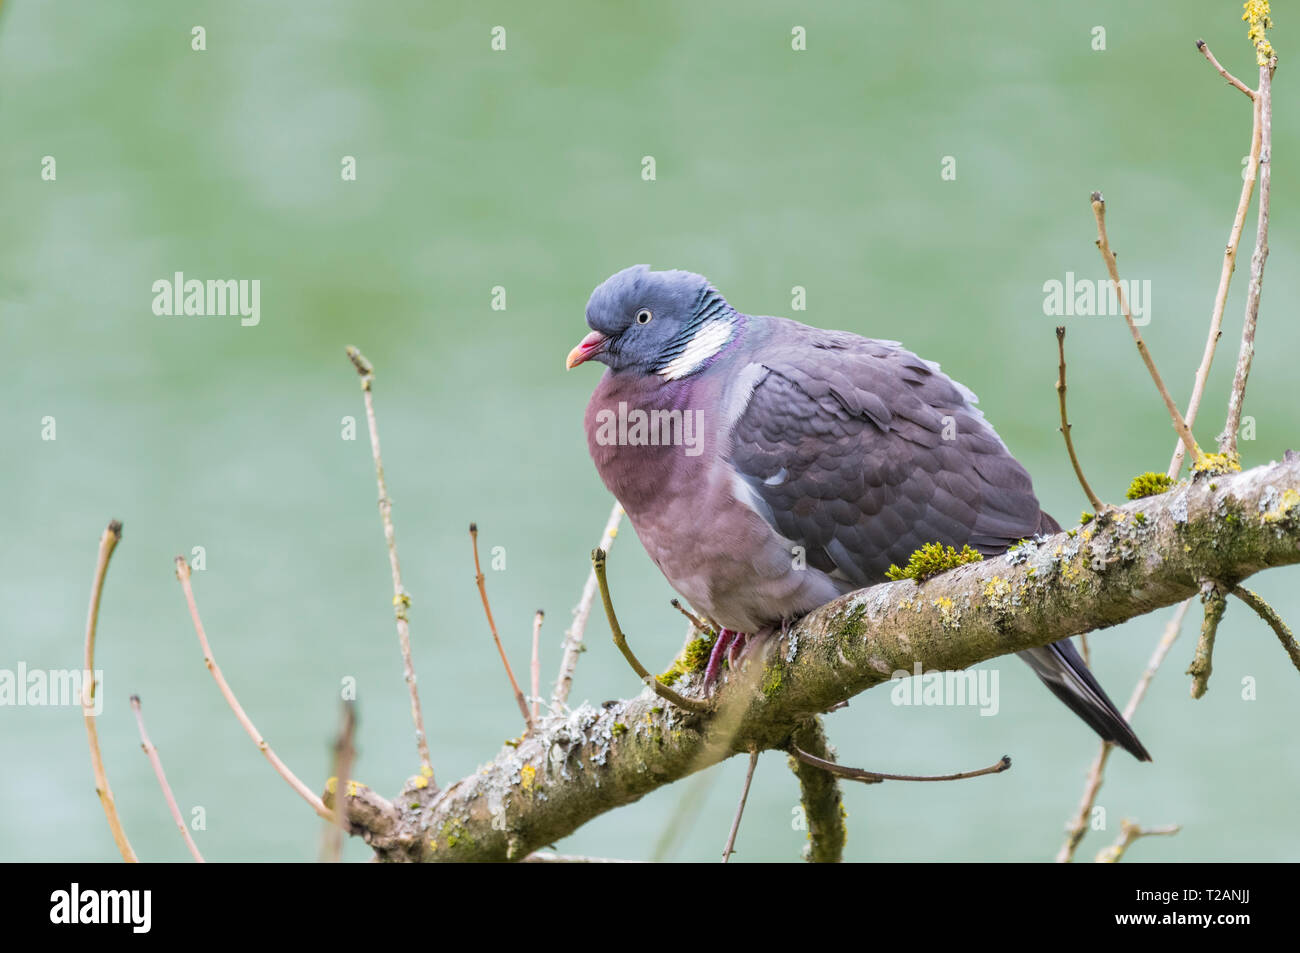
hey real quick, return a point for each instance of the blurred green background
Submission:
(522, 169)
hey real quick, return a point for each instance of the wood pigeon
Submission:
(769, 466)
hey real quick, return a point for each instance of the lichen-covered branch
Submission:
(1215, 600)
(819, 793)
(1150, 553)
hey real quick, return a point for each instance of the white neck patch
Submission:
(708, 341)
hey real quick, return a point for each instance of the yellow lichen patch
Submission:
(1285, 504)
(426, 771)
(354, 788)
(1257, 14)
(332, 785)
(420, 782)
(948, 615)
(527, 777)
(997, 592)
(1217, 463)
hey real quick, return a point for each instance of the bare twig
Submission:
(1269, 615)
(1097, 505)
(487, 609)
(1078, 825)
(345, 754)
(819, 793)
(401, 598)
(1108, 256)
(183, 574)
(696, 622)
(875, 777)
(573, 646)
(730, 847)
(659, 688)
(1221, 296)
(1200, 45)
(1129, 833)
(1215, 601)
(152, 753)
(107, 543)
(536, 669)
(1228, 439)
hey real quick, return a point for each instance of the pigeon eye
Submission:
(643, 316)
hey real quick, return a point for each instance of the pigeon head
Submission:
(670, 323)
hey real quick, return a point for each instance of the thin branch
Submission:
(1200, 45)
(338, 785)
(151, 753)
(875, 777)
(730, 847)
(1097, 505)
(401, 598)
(107, 543)
(487, 609)
(1129, 833)
(696, 622)
(1221, 296)
(1108, 256)
(659, 688)
(819, 793)
(573, 646)
(536, 668)
(1215, 601)
(1228, 439)
(183, 574)
(1078, 825)
(1269, 615)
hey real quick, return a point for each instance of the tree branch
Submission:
(151, 752)
(107, 543)
(1153, 553)
(1264, 104)
(401, 598)
(819, 792)
(1215, 600)
(1225, 279)
(1108, 256)
(1097, 505)
(573, 637)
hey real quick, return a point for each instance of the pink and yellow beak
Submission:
(587, 348)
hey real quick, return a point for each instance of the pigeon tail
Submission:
(1062, 670)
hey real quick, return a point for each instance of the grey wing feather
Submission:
(880, 452)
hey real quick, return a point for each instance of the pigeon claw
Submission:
(730, 645)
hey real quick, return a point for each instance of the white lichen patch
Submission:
(1178, 506)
